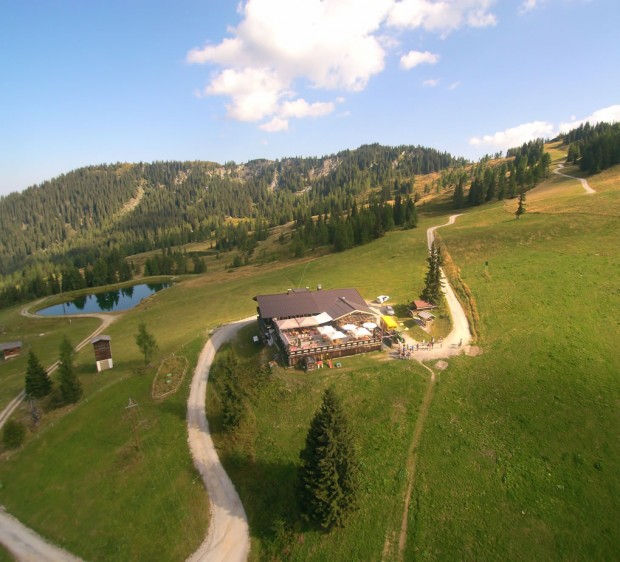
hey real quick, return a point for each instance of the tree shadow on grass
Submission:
(175, 408)
(267, 491)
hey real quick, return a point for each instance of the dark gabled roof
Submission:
(100, 338)
(336, 302)
(10, 345)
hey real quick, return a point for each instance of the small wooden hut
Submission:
(103, 352)
(10, 349)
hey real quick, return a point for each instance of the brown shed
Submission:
(103, 352)
(10, 349)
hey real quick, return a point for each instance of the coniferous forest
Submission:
(594, 148)
(79, 229)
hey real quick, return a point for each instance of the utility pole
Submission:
(134, 425)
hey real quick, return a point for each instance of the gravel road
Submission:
(228, 538)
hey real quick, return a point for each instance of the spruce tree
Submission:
(411, 215)
(459, 194)
(146, 342)
(328, 478)
(432, 282)
(233, 403)
(38, 384)
(521, 207)
(68, 382)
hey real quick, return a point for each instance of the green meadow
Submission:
(518, 457)
(382, 400)
(42, 336)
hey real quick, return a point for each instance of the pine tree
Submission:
(146, 342)
(68, 382)
(521, 207)
(432, 282)
(459, 195)
(411, 215)
(38, 384)
(329, 472)
(233, 403)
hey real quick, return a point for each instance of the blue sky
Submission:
(87, 82)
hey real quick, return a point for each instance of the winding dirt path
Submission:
(584, 183)
(22, 542)
(26, 545)
(228, 538)
(454, 344)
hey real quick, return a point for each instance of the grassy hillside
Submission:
(518, 456)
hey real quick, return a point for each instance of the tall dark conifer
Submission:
(459, 194)
(521, 207)
(38, 384)
(432, 281)
(329, 471)
(68, 382)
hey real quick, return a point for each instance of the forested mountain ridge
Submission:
(80, 214)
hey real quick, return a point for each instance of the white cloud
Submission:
(431, 82)
(515, 136)
(301, 108)
(454, 85)
(609, 114)
(254, 92)
(520, 134)
(414, 58)
(442, 16)
(276, 125)
(281, 45)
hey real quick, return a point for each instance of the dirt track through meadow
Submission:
(455, 343)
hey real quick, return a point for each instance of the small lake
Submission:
(108, 301)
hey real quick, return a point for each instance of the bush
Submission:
(13, 434)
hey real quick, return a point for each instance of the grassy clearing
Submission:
(382, 400)
(41, 335)
(83, 482)
(518, 458)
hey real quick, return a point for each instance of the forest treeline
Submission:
(86, 222)
(594, 147)
(78, 230)
(505, 178)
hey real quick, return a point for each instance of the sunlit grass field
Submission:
(518, 460)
